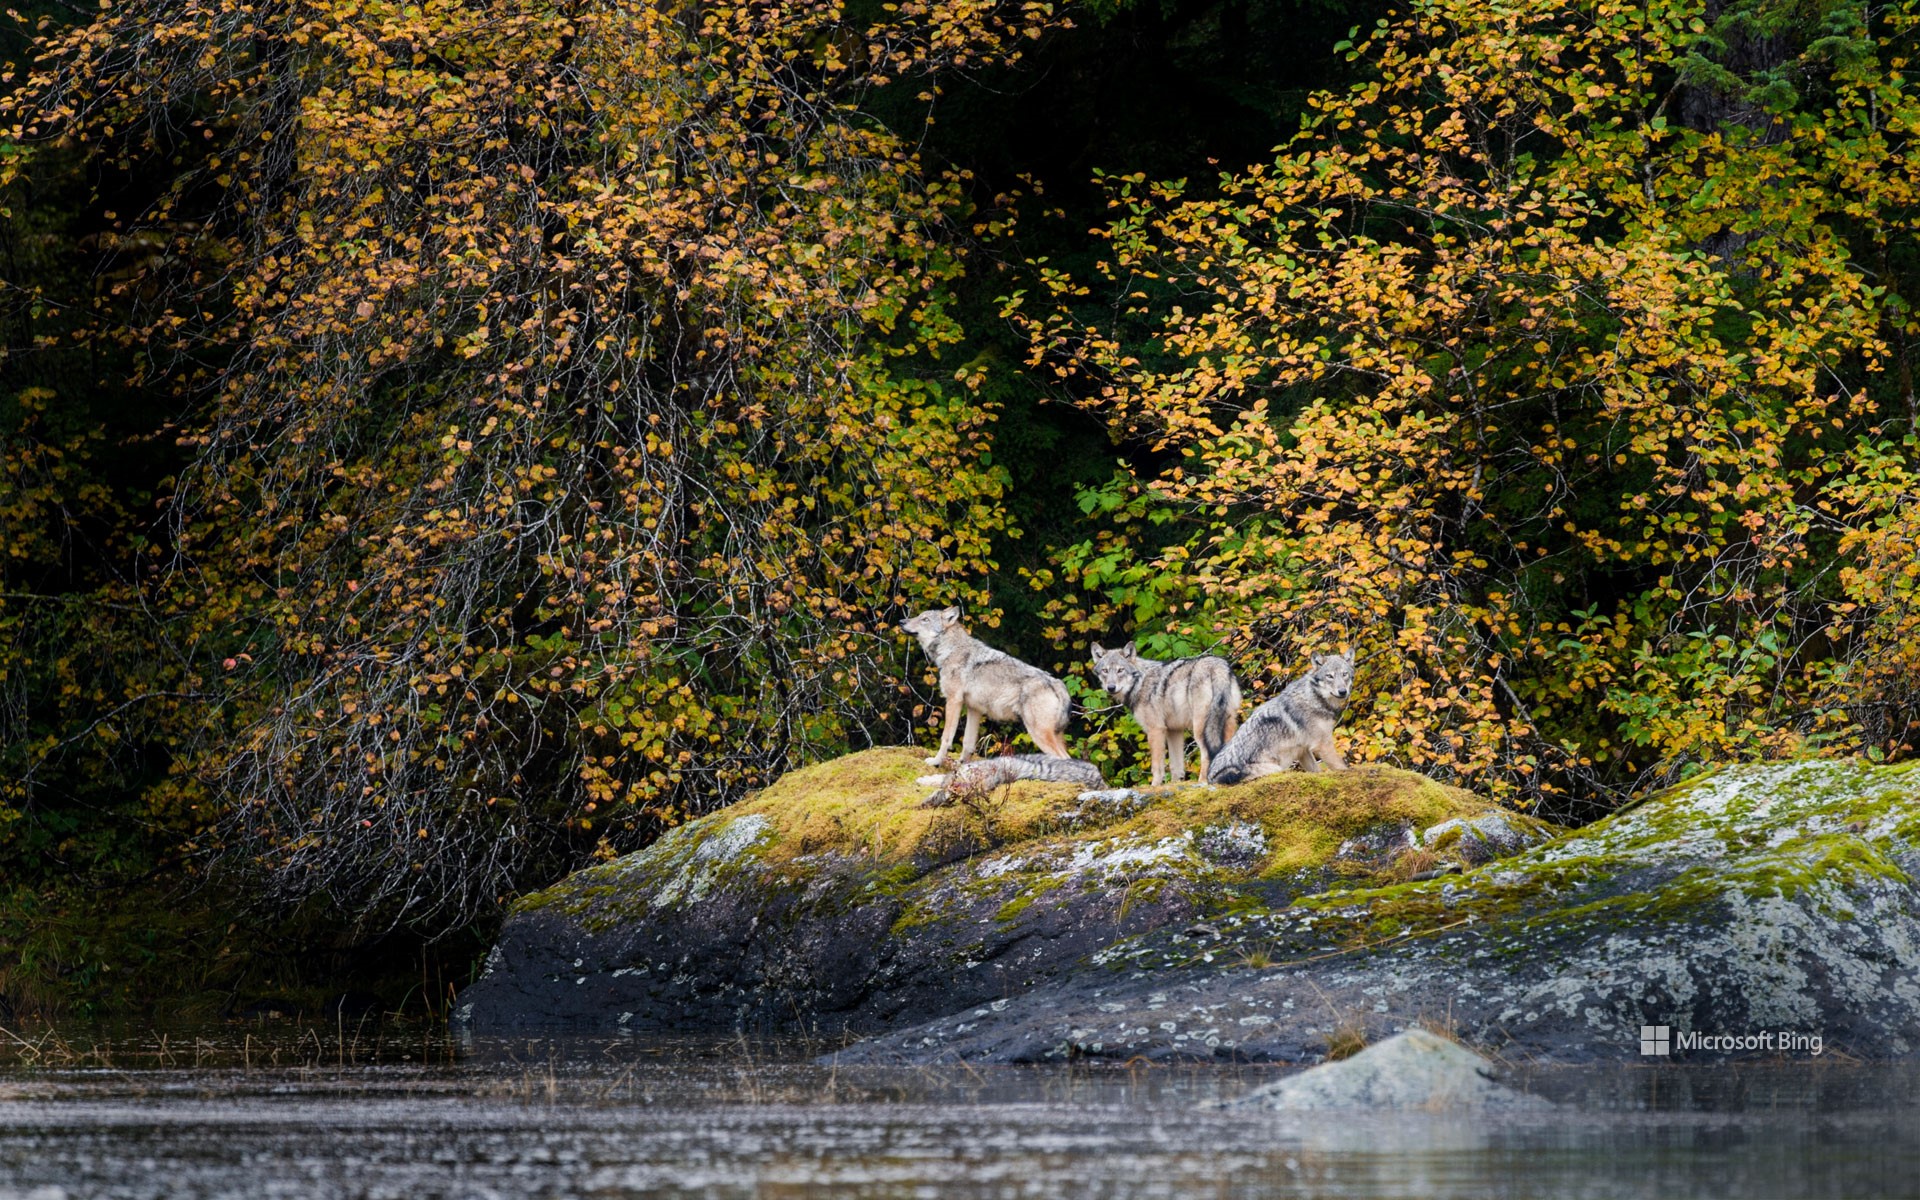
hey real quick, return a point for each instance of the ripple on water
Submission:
(520, 1120)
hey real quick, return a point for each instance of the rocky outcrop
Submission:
(832, 902)
(1767, 910)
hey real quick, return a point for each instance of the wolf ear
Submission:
(1133, 652)
(950, 615)
(1316, 659)
(1097, 651)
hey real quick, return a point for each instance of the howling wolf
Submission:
(985, 774)
(1171, 700)
(1295, 727)
(984, 682)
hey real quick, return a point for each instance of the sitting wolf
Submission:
(1170, 700)
(982, 775)
(1295, 727)
(987, 683)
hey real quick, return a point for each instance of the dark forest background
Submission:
(444, 446)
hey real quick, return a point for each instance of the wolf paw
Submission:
(931, 780)
(936, 760)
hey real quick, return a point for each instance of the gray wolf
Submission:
(984, 682)
(982, 775)
(1295, 727)
(1171, 699)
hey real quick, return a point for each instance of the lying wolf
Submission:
(984, 682)
(982, 775)
(1172, 699)
(1295, 727)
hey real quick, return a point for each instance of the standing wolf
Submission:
(987, 683)
(1171, 700)
(1295, 727)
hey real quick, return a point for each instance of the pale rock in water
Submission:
(1411, 1070)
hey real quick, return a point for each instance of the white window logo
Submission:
(1656, 1039)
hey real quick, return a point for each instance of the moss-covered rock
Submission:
(1778, 904)
(834, 901)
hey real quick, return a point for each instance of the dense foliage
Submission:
(444, 443)
(1566, 378)
(557, 440)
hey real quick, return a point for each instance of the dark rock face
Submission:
(826, 957)
(834, 904)
(1778, 906)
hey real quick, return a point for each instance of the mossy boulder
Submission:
(1774, 905)
(833, 902)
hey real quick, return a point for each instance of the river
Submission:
(305, 1113)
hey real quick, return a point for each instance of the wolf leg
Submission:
(1156, 755)
(1328, 756)
(946, 739)
(1176, 754)
(1206, 759)
(1049, 741)
(1045, 715)
(973, 734)
(1046, 724)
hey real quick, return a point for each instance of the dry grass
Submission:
(1411, 864)
(1346, 1040)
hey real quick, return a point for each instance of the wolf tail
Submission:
(1234, 774)
(1217, 725)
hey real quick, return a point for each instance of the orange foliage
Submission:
(570, 412)
(1546, 403)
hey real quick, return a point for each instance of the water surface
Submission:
(315, 1113)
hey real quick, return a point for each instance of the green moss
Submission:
(867, 806)
(1024, 898)
(1796, 831)
(1141, 891)
(861, 817)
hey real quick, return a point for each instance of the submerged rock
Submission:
(833, 902)
(1411, 1070)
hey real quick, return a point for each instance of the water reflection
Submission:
(406, 1113)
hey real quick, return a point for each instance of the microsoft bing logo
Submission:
(1659, 1041)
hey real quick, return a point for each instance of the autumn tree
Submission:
(1560, 367)
(569, 419)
